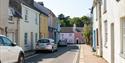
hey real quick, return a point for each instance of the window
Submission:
(36, 37)
(123, 36)
(106, 33)
(25, 38)
(36, 19)
(105, 5)
(117, 0)
(70, 34)
(7, 42)
(1, 41)
(26, 15)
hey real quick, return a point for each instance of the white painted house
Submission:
(29, 26)
(113, 29)
(67, 34)
(97, 42)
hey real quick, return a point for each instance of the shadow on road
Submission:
(48, 55)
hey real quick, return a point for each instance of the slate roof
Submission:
(16, 5)
(67, 30)
(79, 29)
(41, 8)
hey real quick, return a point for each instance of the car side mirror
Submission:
(14, 44)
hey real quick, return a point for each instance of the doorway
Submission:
(31, 40)
(112, 43)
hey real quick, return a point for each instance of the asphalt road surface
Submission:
(67, 54)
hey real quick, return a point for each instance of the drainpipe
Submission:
(6, 30)
(17, 32)
(100, 28)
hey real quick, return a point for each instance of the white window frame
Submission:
(26, 15)
(122, 33)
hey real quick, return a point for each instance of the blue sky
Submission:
(73, 8)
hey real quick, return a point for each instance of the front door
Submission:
(31, 40)
(112, 43)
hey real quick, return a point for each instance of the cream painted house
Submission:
(29, 25)
(14, 16)
(3, 15)
(113, 29)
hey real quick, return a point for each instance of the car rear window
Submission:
(43, 41)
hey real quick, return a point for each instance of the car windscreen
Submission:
(43, 41)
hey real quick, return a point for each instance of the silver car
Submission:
(46, 44)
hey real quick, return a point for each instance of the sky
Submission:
(72, 8)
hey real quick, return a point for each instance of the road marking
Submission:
(31, 56)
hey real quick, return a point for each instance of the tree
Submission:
(87, 33)
(61, 16)
(85, 19)
(77, 21)
(65, 21)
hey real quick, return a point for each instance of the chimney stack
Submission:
(41, 3)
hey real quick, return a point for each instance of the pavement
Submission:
(87, 56)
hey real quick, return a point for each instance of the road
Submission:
(67, 54)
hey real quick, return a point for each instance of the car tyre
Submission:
(21, 59)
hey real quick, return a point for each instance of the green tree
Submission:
(87, 33)
(85, 19)
(77, 21)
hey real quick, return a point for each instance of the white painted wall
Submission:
(70, 38)
(30, 26)
(115, 10)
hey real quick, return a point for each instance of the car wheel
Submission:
(21, 59)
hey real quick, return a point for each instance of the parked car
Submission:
(10, 52)
(46, 44)
(62, 43)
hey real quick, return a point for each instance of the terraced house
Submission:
(29, 26)
(112, 23)
(43, 23)
(14, 17)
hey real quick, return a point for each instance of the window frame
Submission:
(26, 15)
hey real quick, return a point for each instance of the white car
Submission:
(9, 52)
(46, 44)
